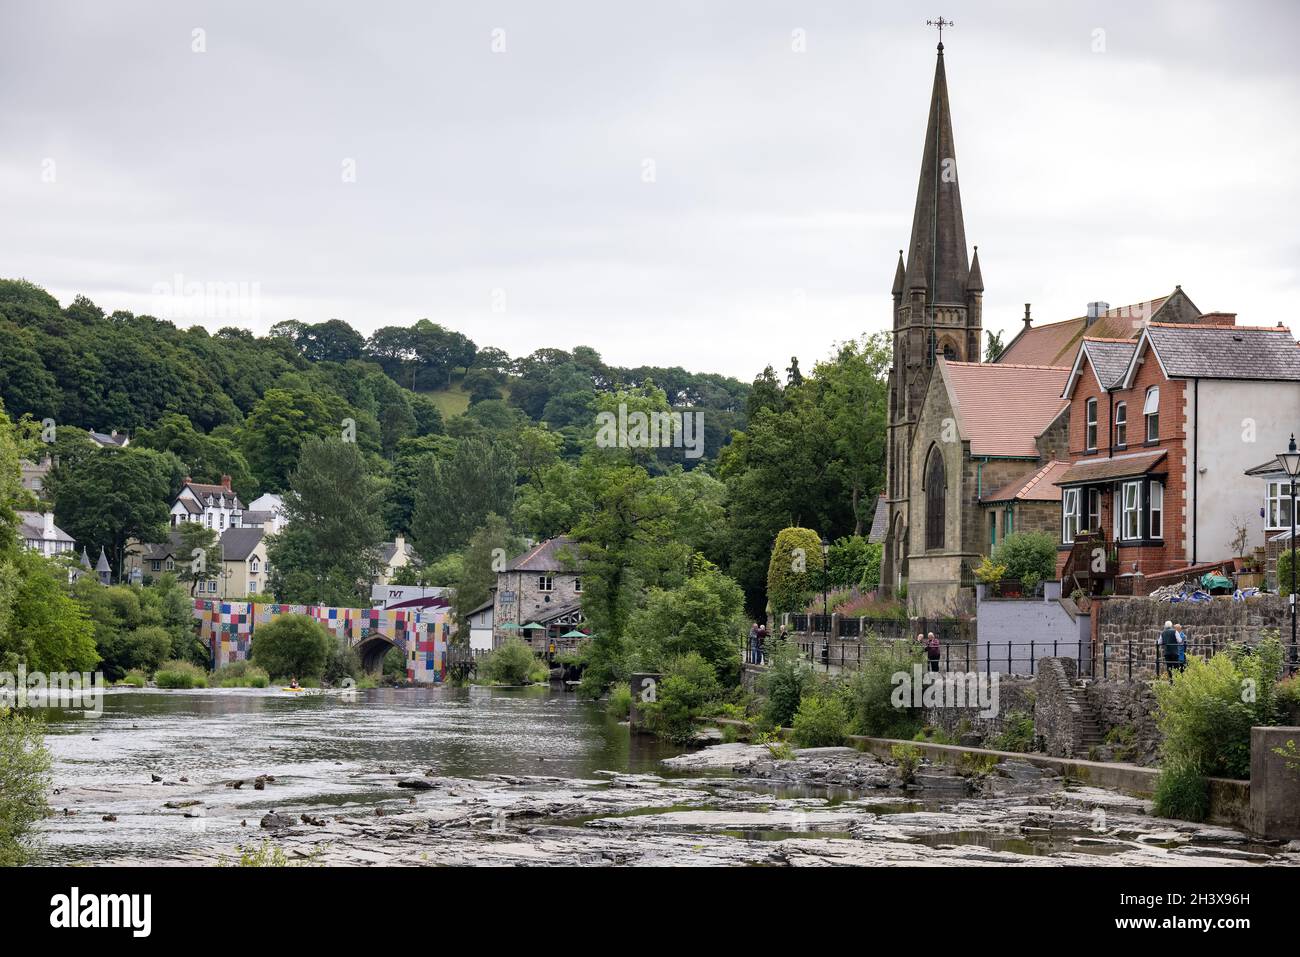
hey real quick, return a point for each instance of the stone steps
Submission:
(1089, 728)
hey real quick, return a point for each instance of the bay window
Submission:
(1156, 511)
(1131, 510)
(1278, 504)
(1069, 514)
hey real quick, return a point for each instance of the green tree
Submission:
(24, 781)
(1030, 557)
(279, 425)
(795, 569)
(486, 554)
(993, 348)
(455, 497)
(40, 625)
(705, 614)
(196, 539)
(292, 646)
(328, 551)
(116, 495)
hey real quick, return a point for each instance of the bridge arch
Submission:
(372, 649)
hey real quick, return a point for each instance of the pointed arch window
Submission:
(936, 494)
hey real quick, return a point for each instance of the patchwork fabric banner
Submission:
(226, 628)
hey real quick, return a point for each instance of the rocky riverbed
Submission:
(730, 804)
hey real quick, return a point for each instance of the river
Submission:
(323, 751)
(472, 776)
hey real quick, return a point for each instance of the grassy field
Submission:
(453, 401)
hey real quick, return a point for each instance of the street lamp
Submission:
(826, 612)
(1290, 460)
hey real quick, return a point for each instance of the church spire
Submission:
(938, 247)
(899, 276)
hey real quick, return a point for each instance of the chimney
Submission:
(49, 524)
(225, 482)
(1095, 311)
(1028, 318)
(1217, 319)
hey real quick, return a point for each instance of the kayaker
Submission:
(293, 683)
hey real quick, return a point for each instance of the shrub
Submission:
(820, 722)
(511, 664)
(706, 613)
(688, 685)
(343, 662)
(24, 781)
(1030, 557)
(292, 646)
(180, 674)
(777, 746)
(989, 572)
(932, 735)
(1205, 713)
(869, 691)
(1288, 699)
(787, 678)
(852, 560)
(1182, 792)
(908, 757)
(240, 674)
(1017, 733)
(620, 702)
(795, 569)
(1284, 572)
(134, 679)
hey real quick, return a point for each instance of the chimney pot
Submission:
(1028, 318)
(225, 482)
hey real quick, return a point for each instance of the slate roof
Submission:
(388, 550)
(1035, 486)
(161, 550)
(1056, 343)
(1003, 408)
(216, 491)
(879, 521)
(1225, 352)
(238, 543)
(544, 557)
(258, 518)
(1111, 469)
(32, 526)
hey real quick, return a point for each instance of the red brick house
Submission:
(1159, 428)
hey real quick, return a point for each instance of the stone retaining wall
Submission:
(1211, 624)
(1125, 712)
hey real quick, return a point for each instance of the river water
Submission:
(322, 750)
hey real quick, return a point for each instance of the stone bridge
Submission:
(227, 627)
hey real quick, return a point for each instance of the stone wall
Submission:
(1057, 718)
(969, 726)
(1210, 625)
(1125, 713)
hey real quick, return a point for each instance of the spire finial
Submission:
(940, 23)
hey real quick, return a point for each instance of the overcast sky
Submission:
(716, 184)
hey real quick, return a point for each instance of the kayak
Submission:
(293, 689)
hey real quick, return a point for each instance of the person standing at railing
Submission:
(1169, 648)
(1182, 646)
(751, 657)
(762, 643)
(932, 651)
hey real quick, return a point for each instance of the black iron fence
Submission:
(1108, 660)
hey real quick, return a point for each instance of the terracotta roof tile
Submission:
(1056, 342)
(1035, 486)
(1004, 407)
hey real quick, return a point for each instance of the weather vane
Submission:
(940, 22)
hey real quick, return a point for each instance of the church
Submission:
(972, 447)
(975, 448)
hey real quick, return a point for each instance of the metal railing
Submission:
(1124, 659)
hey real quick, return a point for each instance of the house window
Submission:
(1091, 438)
(1094, 510)
(545, 583)
(1131, 510)
(993, 529)
(171, 565)
(936, 489)
(577, 586)
(1151, 409)
(156, 565)
(252, 566)
(1156, 508)
(1008, 521)
(1069, 514)
(1278, 504)
(1121, 424)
